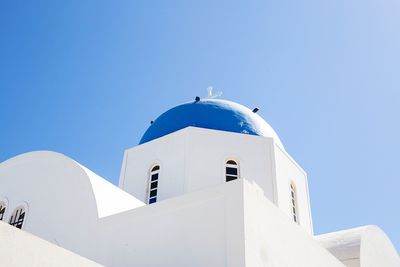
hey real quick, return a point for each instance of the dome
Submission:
(215, 114)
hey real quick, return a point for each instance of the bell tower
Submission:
(210, 142)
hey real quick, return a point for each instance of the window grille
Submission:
(17, 218)
(231, 170)
(153, 184)
(293, 197)
(3, 207)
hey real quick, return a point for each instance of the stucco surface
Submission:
(366, 246)
(199, 220)
(21, 249)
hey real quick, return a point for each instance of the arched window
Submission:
(153, 184)
(293, 196)
(17, 217)
(231, 170)
(3, 208)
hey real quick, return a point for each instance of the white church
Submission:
(209, 185)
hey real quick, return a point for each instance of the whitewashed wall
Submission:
(204, 228)
(231, 224)
(169, 154)
(208, 150)
(203, 221)
(366, 246)
(194, 159)
(272, 239)
(21, 249)
(64, 199)
(59, 201)
(287, 172)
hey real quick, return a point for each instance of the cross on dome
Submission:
(210, 94)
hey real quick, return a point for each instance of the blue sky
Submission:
(85, 78)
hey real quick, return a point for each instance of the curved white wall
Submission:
(366, 246)
(64, 199)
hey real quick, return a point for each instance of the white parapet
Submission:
(21, 249)
(366, 246)
(272, 239)
(232, 224)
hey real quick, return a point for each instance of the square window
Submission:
(231, 171)
(154, 177)
(152, 200)
(153, 193)
(230, 178)
(153, 185)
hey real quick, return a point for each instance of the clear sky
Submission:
(85, 78)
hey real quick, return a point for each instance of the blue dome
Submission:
(213, 114)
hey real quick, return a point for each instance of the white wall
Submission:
(59, 202)
(208, 150)
(272, 239)
(194, 158)
(366, 246)
(204, 228)
(228, 224)
(200, 229)
(168, 153)
(21, 249)
(287, 172)
(231, 224)
(64, 199)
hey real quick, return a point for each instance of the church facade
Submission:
(210, 184)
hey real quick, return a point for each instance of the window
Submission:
(293, 197)
(153, 184)
(3, 207)
(18, 216)
(231, 170)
